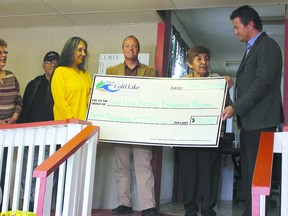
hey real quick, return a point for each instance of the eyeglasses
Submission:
(4, 52)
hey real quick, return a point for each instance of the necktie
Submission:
(248, 47)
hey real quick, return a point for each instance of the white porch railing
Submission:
(75, 160)
(269, 143)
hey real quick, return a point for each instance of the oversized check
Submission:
(158, 111)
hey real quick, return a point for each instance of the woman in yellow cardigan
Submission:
(71, 83)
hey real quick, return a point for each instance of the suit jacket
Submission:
(258, 86)
(143, 70)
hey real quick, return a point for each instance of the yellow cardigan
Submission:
(71, 92)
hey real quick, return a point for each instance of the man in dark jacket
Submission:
(37, 99)
(258, 104)
(38, 106)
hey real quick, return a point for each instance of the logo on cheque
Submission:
(102, 86)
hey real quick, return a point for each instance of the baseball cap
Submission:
(51, 56)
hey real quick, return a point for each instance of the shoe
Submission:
(208, 213)
(190, 214)
(150, 212)
(120, 210)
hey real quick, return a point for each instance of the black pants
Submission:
(200, 169)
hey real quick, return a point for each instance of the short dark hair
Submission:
(67, 54)
(3, 43)
(196, 50)
(131, 36)
(247, 14)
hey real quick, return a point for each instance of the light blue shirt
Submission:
(251, 42)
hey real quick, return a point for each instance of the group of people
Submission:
(38, 103)
(71, 84)
(257, 105)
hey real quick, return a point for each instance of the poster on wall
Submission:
(158, 111)
(107, 60)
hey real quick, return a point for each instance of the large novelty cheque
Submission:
(158, 111)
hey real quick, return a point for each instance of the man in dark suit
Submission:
(258, 101)
(142, 155)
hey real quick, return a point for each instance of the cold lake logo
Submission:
(114, 87)
(102, 86)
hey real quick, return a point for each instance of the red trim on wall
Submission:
(160, 49)
(162, 56)
(162, 52)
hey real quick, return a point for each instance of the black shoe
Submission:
(190, 214)
(150, 212)
(120, 210)
(208, 213)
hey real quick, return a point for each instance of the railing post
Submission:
(90, 170)
(261, 182)
(256, 204)
(262, 205)
(42, 190)
(284, 172)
